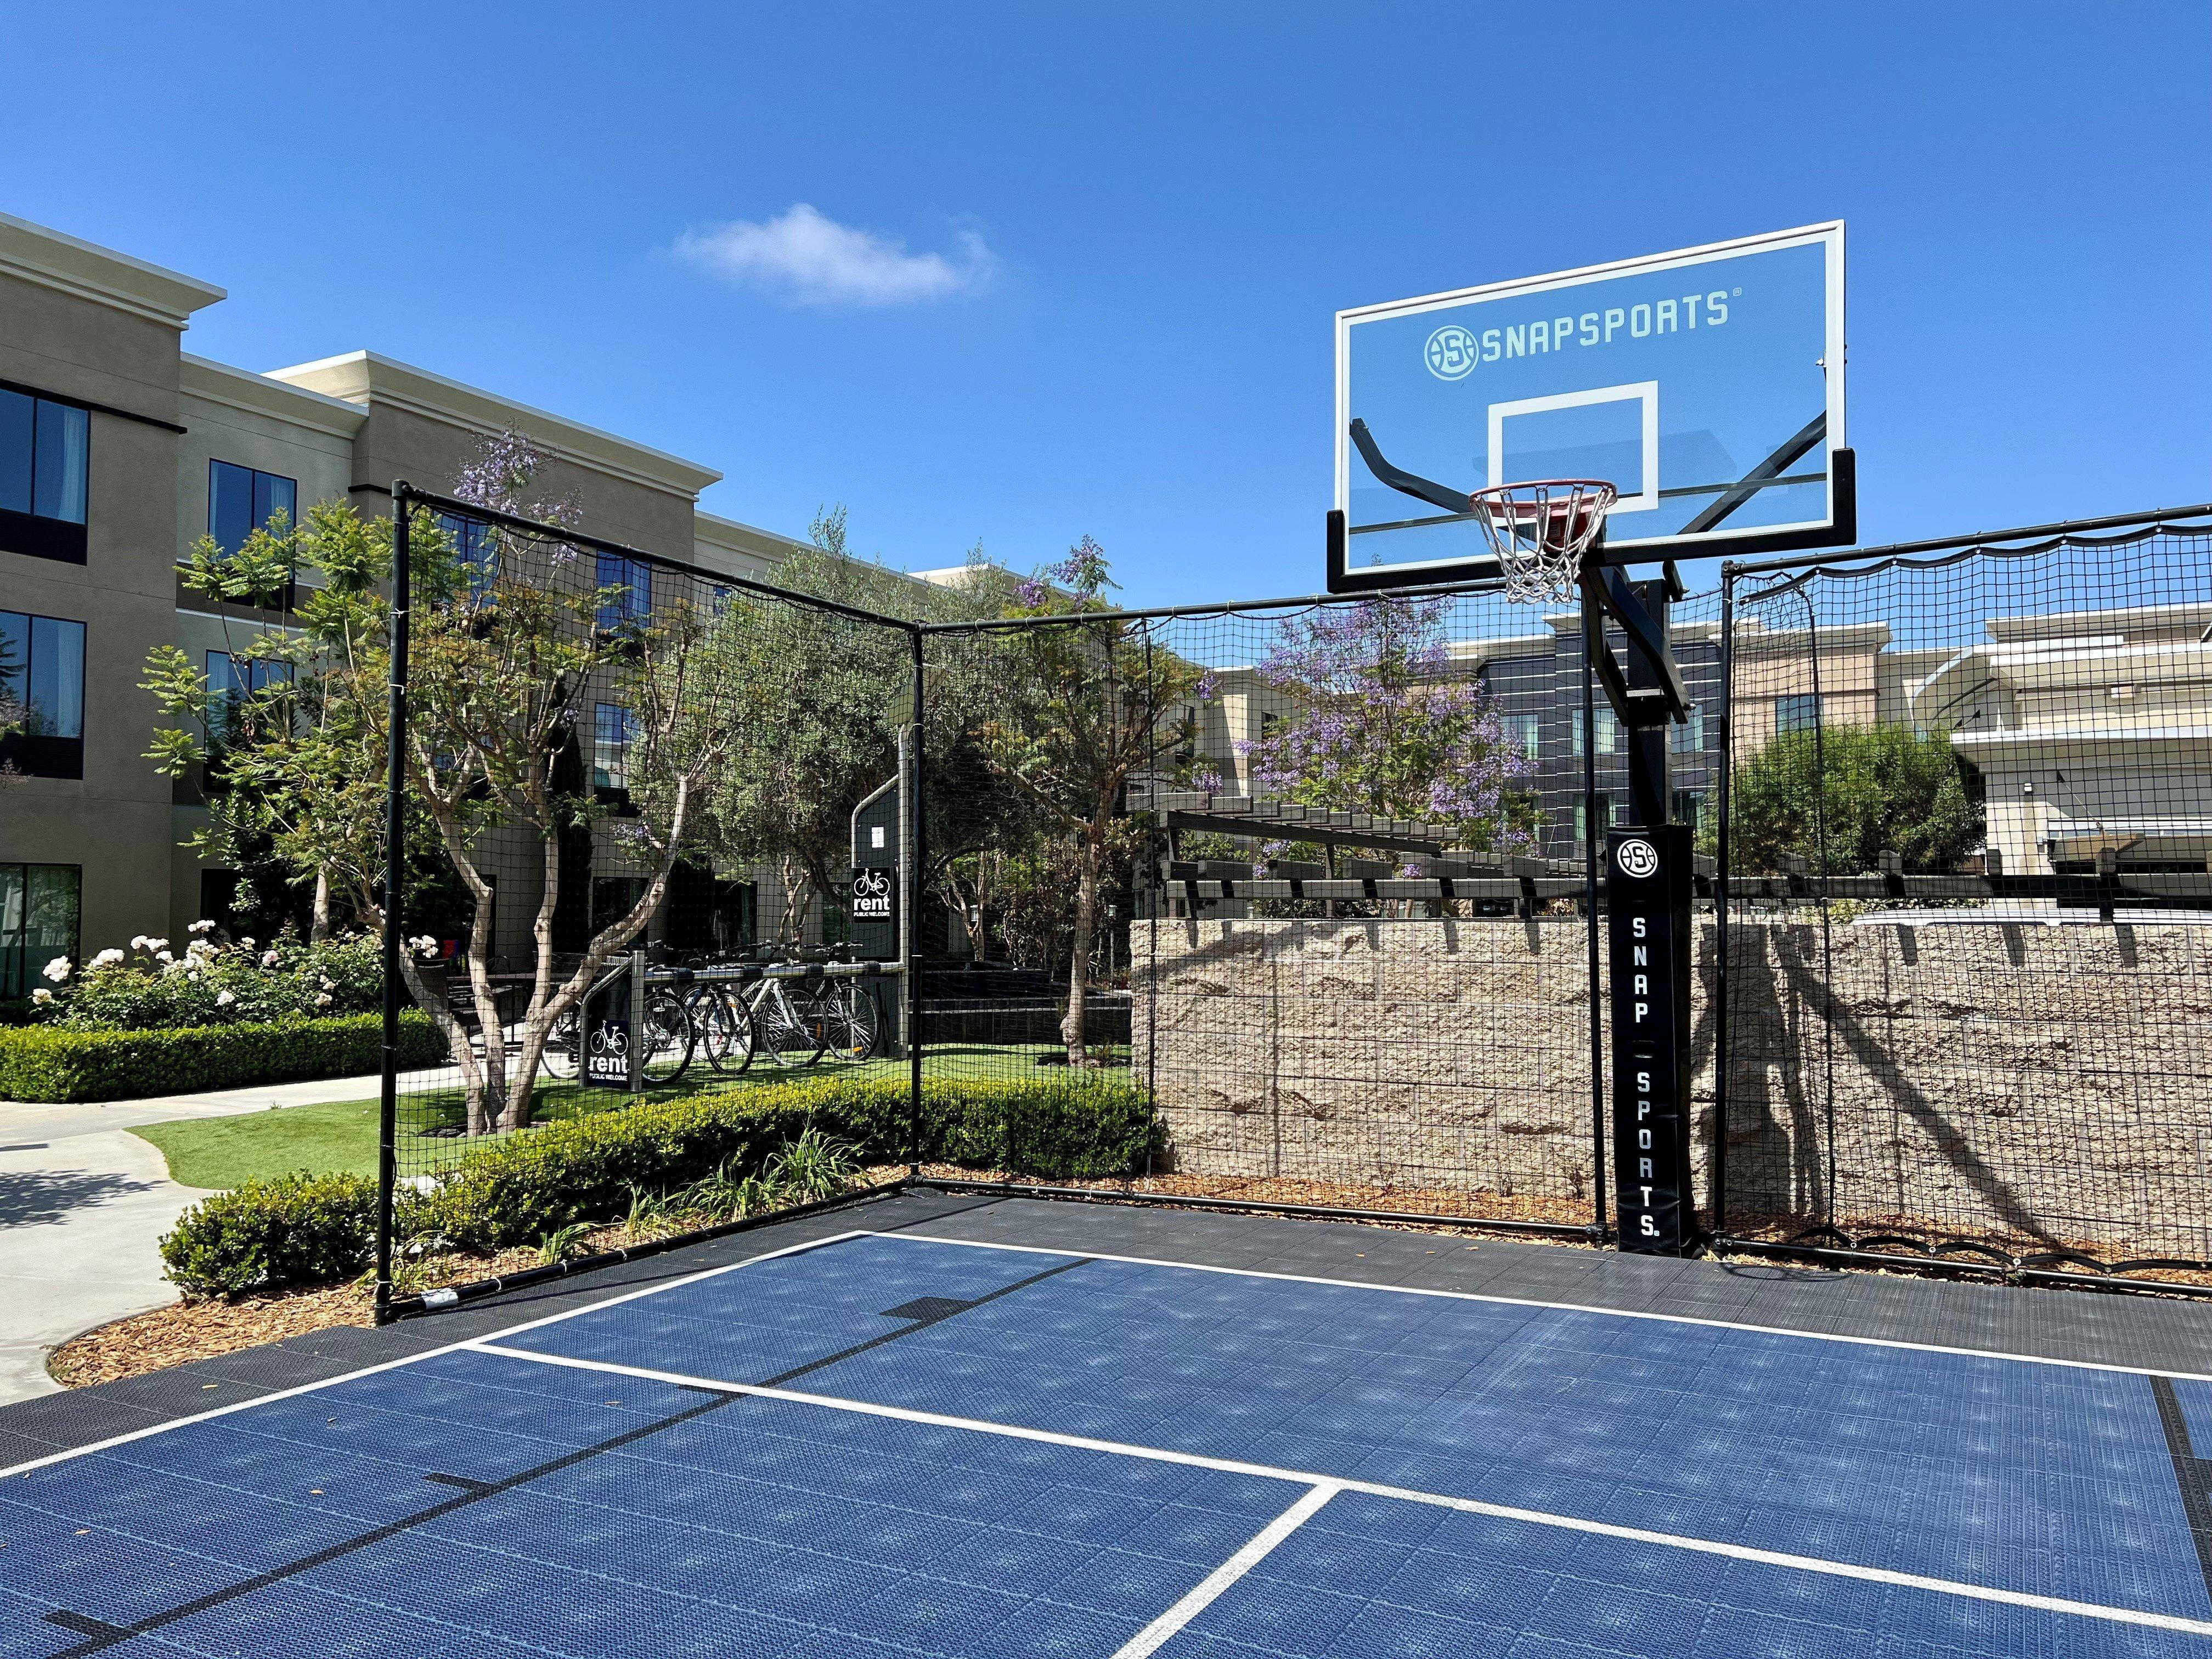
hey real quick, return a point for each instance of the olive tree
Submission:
(507, 638)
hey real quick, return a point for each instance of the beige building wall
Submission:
(85, 325)
(89, 325)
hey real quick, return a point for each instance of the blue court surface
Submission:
(890, 1444)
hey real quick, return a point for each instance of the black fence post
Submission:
(1593, 642)
(395, 853)
(911, 791)
(1716, 1170)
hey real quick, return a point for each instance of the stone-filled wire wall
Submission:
(2035, 1088)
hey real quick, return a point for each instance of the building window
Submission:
(1608, 732)
(42, 695)
(614, 729)
(1526, 732)
(45, 459)
(39, 907)
(1796, 713)
(1607, 813)
(1689, 807)
(241, 501)
(231, 680)
(629, 603)
(1688, 737)
(476, 548)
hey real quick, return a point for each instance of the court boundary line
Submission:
(2177, 1623)
(31, 1466)
(1563, 1307)
(1209, 1589)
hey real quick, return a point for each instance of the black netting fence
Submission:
(1969, 966)
(628, 797)
(719, 898)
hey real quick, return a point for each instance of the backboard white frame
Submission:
(1806, 532)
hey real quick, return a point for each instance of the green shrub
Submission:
(536, 1187)
(302, 1229)
(53, 1063)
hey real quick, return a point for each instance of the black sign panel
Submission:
(875, 894)
(606, 1037)
(1647, 892)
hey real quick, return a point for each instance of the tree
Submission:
(508, 636)
(1381, 723)
(832, 691)
(1889, 789)
(1088, 703)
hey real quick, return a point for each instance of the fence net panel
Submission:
(1970, 957)
(1308, 880)
(630, 792)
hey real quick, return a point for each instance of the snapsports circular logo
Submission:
(1451, 352)
(1637, 858)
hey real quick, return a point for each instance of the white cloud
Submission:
(808, 258)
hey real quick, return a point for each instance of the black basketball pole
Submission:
(395, 853)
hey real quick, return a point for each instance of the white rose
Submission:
(326, 981)
(322, 1000)
(246, 944)
(59, 969)
(107, 958)
(157, 945)
(193, 975)
(269, 959)
(224, 999)
(139, 941)
(202, 926)
(42, 996)
(164, 957)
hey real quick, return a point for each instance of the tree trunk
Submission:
(1079, 966)
(319, 927)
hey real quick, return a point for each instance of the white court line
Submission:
(1376, 1489)
(1558, 1307)
(50, 1458)
(1150, 1639)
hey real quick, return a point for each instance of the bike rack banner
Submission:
(609, 1029)
(875, 894)
(1647, 919)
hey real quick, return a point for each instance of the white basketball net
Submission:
(1541, 530)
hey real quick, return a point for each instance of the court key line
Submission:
(2173, 1622)
(1555, 1307)
(1154, 1636)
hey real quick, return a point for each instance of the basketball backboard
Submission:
(1705, 385)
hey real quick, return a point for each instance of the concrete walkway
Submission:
(83, 1204)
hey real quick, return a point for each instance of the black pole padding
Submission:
(395, 852)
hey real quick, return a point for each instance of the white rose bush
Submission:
(149, 987)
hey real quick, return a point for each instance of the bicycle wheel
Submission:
(561, 1046)
(725, 1029)
(667, 1037)
(853, 1026)
(785, 1031)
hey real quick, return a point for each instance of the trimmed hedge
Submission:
(51, 1063)
(300, 1230)
(517, 1189)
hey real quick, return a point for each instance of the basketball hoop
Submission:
(1539, 531)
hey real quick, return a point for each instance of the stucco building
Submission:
(119, 450)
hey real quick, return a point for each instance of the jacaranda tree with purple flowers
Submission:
(1380, 720)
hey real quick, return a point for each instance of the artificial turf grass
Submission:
(339, 1137)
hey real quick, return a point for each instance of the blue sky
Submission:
(1018, 274)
